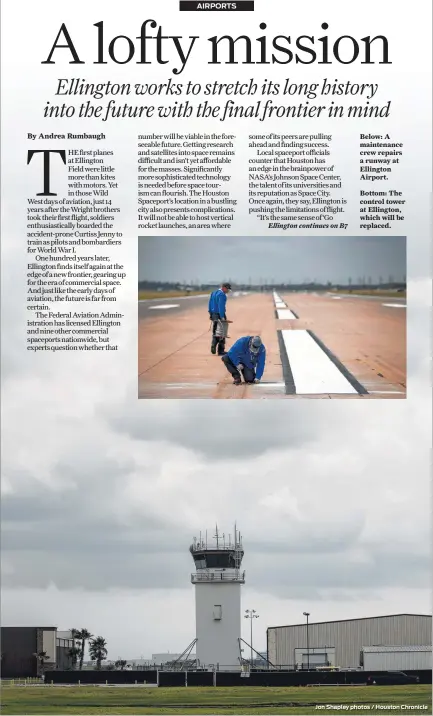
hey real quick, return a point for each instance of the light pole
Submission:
(307, 614)
(251, 614)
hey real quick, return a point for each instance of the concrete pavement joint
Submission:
(172, 353)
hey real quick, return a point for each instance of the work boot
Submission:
(214, 345)
(221, 348)
(237, 381)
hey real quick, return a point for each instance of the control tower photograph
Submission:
(218, 578)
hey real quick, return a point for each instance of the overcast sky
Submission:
(270, 259)
(96, 530)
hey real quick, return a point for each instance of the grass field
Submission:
(236, 700)
(146, 295)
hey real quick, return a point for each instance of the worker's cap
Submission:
(228, 286)
(255, 343)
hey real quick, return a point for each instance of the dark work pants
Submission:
(247, 372)
(219, 343)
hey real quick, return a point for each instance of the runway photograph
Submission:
(257, 318)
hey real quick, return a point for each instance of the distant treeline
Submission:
(307, 285)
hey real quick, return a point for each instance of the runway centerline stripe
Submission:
(394, 305)
(314, 369)
(285, 314)
(164, 305)
(341, 367)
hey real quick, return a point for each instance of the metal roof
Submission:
(341, 621)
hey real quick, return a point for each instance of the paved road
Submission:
(318, 346)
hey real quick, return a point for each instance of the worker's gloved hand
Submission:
(257, 380)
(240, 366)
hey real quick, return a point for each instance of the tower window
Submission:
(217, 612)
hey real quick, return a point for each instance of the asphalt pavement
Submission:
(150, 308)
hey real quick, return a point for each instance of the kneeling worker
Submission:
(217, 311)
(247, 356)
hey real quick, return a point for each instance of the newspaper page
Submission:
(206, 202)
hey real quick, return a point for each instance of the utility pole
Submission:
(307, 614)
(251, 614)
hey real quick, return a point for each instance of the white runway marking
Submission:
(164, 305)
(313, 372)
(394, 305)
(178, 298)
(285, 314)
(336, 298)
(280, 304)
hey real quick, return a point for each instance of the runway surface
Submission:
(180, 303)
(318, 346)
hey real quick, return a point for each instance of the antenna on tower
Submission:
(217, 535)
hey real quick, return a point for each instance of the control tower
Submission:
(218, 580)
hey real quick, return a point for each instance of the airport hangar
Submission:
(20, 644)
(341, 643)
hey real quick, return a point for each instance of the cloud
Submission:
(320, 502)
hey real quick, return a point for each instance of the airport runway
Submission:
(149, 306)
(318, 346)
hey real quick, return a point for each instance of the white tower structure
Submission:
(218, 580)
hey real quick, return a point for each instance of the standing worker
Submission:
(217, 312)
(247, 356)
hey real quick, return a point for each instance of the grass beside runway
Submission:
(149, 295)
(197, 700)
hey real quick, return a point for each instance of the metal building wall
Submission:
(18, 645)
(388, 658)
(348, 637)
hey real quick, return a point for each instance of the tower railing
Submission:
(215, 577)
(220, 547)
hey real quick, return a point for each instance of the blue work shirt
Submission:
(240, 353)
(217, 302)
